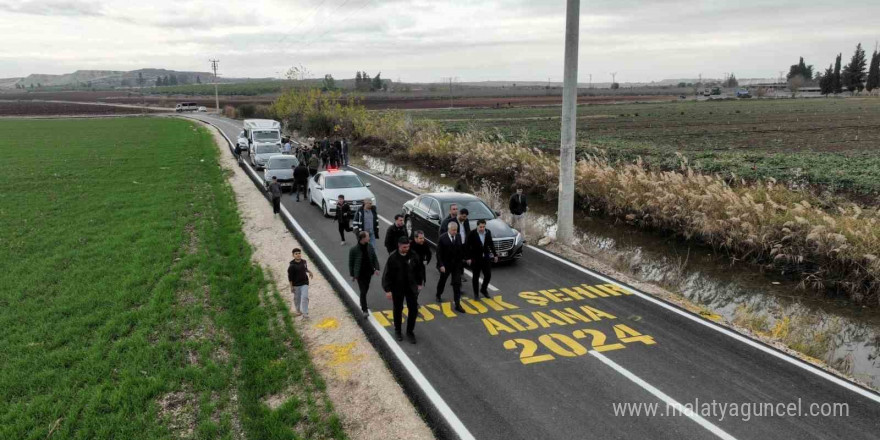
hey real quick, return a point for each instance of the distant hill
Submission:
(112, 78)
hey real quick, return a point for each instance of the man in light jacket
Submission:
(367, 219)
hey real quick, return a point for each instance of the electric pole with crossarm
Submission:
(216, 95)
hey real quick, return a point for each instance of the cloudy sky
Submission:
(416, 40)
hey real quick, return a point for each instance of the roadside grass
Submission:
(129, 304)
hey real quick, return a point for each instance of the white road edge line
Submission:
(778, 354)
(466, 271)
(670, 402)
(451, 418)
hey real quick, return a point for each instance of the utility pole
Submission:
(216, 95)
(591, 80)
(565, 214)
(451, 79)
(613, 78)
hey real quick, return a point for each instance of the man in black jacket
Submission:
(452, 218)
(481, 251)
(402, 280)
(419, 245)
(300, 179)
(342, 217)
(450, 258)
(518, 206)
(393, 234)
(362, 265)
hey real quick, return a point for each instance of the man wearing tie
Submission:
(450, 258)
(481, 251)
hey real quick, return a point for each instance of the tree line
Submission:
(173, 80)
(854, 77)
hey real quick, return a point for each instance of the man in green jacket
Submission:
(362, 265)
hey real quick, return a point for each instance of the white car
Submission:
(326, 186)
(203, 109)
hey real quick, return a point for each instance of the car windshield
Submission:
(283, 162)
(267, 136)
(263, 149)
(338, 182)
(477, 210)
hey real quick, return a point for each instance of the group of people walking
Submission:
(404, 274)
(322, 154)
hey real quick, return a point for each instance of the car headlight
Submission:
(373, 199)
(519, 237)
(332, 202)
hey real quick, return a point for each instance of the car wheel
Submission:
(409, 226)
(311, 201)
(324, 208)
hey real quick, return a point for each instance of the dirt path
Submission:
(371, 404)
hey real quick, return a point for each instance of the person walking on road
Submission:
(275, 191)
(450, 258)
(518, 207)
(362, 265)
(481, 252)
(464, 226)
(298, 274)
(394, 232)
(453, 217)
(420, 246)
(342, 217)
(238, 153)
(344, 144)
(402, 280)
(367, 219)
(300, 179)
(314, 163)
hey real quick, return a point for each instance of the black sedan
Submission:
(427, 211)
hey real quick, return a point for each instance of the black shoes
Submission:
(439, 299)
(411, 337)
(459, 309)
(486, 294)
(366, 313)
(398, 335)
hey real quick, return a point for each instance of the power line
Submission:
(315, 24)
(287, 34)
(310, 42)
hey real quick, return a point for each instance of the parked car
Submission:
(280, 166)
(716, 90)
(427, 211)
(203, 109)
(743, 93)
(261, 153)
(326, 186)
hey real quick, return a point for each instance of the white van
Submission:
(186, 107)
(263, 137)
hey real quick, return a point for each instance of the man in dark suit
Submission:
(451, 256)
(402, 280)
(453, 218)
(481, 252)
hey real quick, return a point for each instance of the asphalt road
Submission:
(558, 348)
